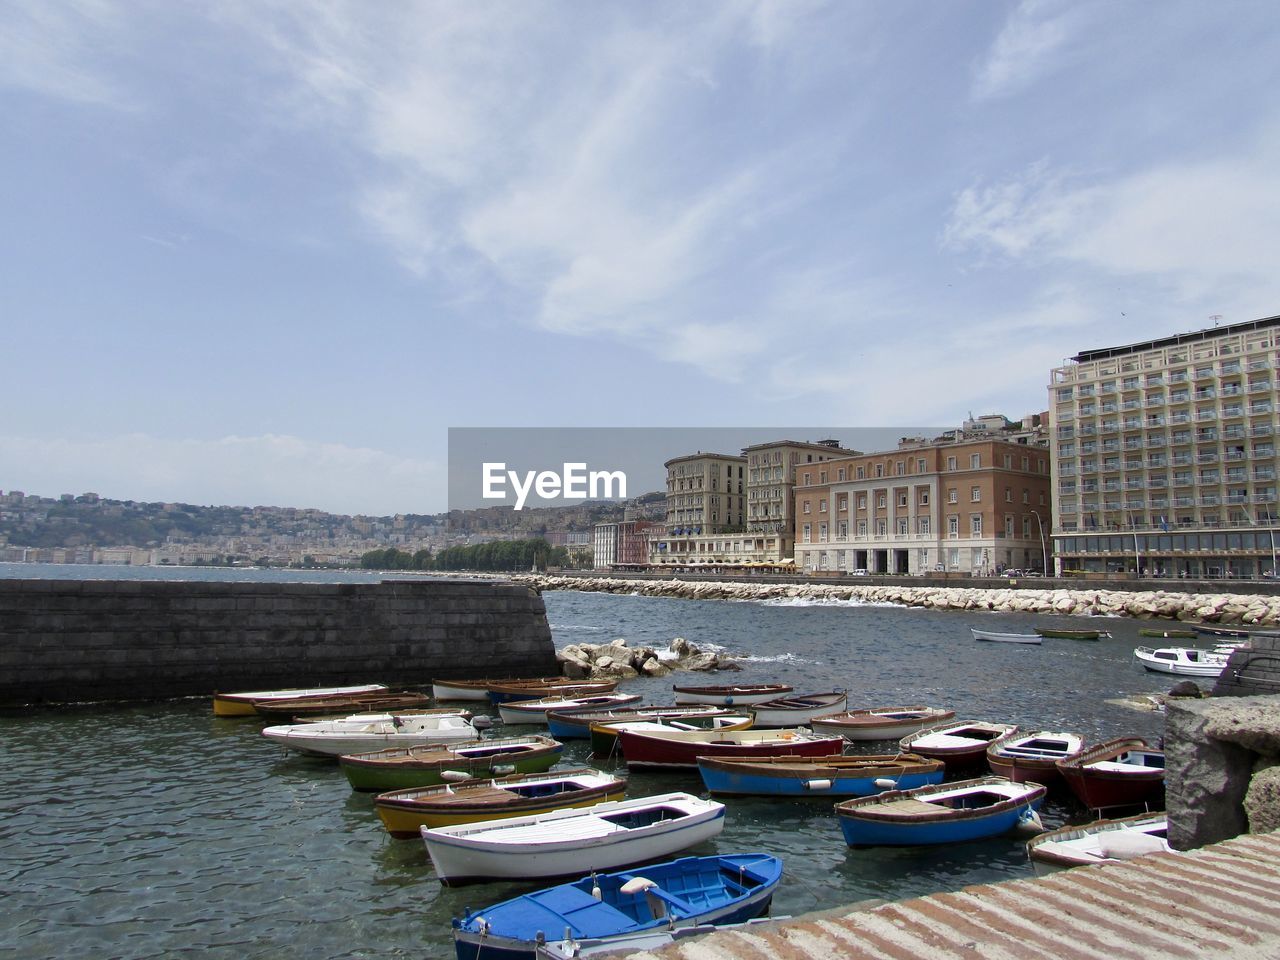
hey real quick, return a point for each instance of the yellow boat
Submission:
(241, 704)
(404, 812)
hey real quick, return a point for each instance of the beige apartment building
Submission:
(1165, 455)
(963, 506)
(706, 495)
(771, 480)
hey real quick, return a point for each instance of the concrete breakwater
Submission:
(1225, 608)
(71, 640)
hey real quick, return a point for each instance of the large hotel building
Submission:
(957, 505)
(1165, 455)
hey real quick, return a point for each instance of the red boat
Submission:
(1127, 772)
(682, 748)
(1033, 758)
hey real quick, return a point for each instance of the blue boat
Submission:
(661, 897)
(943, 813)
(852, 776)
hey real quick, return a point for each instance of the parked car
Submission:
(1013, 572)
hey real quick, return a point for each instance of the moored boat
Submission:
(604, 734)
(535, 711)
(1205, 630)
(524, 690)
(1103, 841)
(344, 705)
(1167, 634)
(856, 776)
(735, 695)
(630, 910)
(399, 768)
(796, 710)
(388, 715)
(943, 813)
(405, 812)
(567, 843)
(1033, 757)
(576, 724)
(334, 738)
(1183, 661)
(958, 744)
(682, 748)
(1064, 634)
(242, 704)
(479, 689)
(880, 723)
(1118, 773)
(996, 637)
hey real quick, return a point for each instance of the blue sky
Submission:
(268, 252)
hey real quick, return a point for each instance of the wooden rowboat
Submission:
(567, 843)
(402, 767)
(1054, 632)
(958, 744)
(995, 637)
(682, 748)
(604, 734)
(1103, 841)
(1033, 757)
(242, 704)
(405, 812)
(535, 711)
(345, 705)
(880, 723)
(337, 737)
(733, 695)
(944, 813)
(796, 711)
(576, 724)
(1167, 634)
(1118, 773)
(504, 692)
(856, 776)
(479, 689)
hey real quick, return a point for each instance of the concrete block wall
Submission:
(1253, 669)
(63, 640)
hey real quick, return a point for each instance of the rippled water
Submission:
(160, 831)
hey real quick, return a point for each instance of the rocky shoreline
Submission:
(1244, 609)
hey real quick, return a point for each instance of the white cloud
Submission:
(1030, 45)
(267, 470)
(58, 49)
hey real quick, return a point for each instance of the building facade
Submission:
(706, 495)
(967, 506)
(1165, 455)
(771, 480)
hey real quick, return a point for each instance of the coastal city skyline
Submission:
(270, 254)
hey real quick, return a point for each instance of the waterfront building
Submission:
(622, 542)
(1165, 455)
(971, 506)
(706, 495)
(771, 480)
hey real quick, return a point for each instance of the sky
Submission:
(260, 252)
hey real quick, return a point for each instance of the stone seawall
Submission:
(66, 640)
(1224, 608)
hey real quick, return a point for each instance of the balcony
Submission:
(1182, 480)
(1155, 441)
(1264, 473)
(1259, 386)
(1179, 396)
(1232, 410)
(1155, 400)
(1178, 376)
(1110, 446)
(1133, 464)
(1108, 406)
(1230, 367)
(1233, 433)
(1232, 455)
(1206, 458)
(1180, 418)
(1184, 501)
(1257, 408)
(1204, 373)
(1131, 405)
(1066, 433)
(1205, 415)
(1260, 430)
(1210, 501)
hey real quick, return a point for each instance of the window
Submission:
(879, 469)
(1026, 495)
(862, 528)
(975, 524)
(807, 538)
(806, 507)
(1026, 528)
(822, 533)
(862, 501)
(951, 463)
(920, 465)
(881, 501)
(882, 528)
(924, 497)
(842, 530)
(902, 527)
(843, 504)
(1008, 494)
(1008, 526)
(822, 505)
(922, 525)
(862, 472)
(975, 461)
(953, 495)
(975, 494)
(807, 478)
(900, 468)
(1008, 461)
(953, 526)
(1026, 462)
(902, 499)
(822, 476)
(840, 474)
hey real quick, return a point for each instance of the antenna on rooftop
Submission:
(1215, 317)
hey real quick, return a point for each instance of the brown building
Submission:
(968, 506)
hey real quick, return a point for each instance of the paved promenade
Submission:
(1222, 900)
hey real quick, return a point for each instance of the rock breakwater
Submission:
(1246, 609)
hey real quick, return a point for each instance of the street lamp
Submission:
(1044, 547)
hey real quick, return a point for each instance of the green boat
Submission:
(435, 764)
(1168, 634)
(1072, 634)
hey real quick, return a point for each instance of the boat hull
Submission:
(242, 704)
(515, 712)
(843, 777)
(644, 750)
(887, 723)
(731, 696)
(1070, 847)
(797, 711)
(1203, 664)
(376, 771)
(1033, 759)
(959, 746)
(903, 818)
(604, 736)
(546, 854)
(1101, 780)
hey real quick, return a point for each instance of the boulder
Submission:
(1262, 799)
(1185, 688)
(654, 668)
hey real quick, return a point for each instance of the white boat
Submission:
(535, 711)
(338, 737)
(734, 695)
(958, 743)
(1103, 841)
(1004, 637)
(241, 704)
(1184, 661)
(797, 710)
(572, 842)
